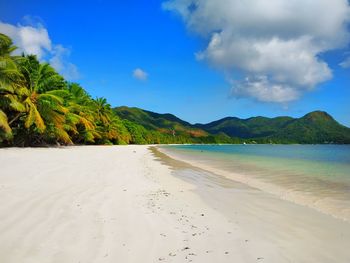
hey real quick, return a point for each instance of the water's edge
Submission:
(324, 205)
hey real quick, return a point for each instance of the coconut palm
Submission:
(38, 106)
(9, 76)
(103, 110)
(8, 67)
(107, 122)
(116, 132)
(41, 91)
(80, 119)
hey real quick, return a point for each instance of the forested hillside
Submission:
(314, 127)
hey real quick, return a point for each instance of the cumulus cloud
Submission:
(34, 39)
(140, 74)
(30, 40)
(275, 45)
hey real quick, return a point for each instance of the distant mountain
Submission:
(255, 127)
(314, 127)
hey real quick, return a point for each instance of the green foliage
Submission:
(38, 107)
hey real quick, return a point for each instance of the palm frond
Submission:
(14, 103)
(51, 97)
(35, 118)
(4, 123)
(62, 135)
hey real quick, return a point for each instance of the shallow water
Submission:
(314, 175)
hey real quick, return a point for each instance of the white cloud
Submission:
(262, 89)
(345, 63)
(34, 39)
(140, 74)
(59, 61)
(30, 40)
(275, 45)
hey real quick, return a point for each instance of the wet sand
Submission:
(331, 197)
(280, 230)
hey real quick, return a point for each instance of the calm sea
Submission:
(314, 175)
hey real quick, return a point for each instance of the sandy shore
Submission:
(120, 204)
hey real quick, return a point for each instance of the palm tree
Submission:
(41, 94)
(8, 67)
(103, 110)
(116, 132)
(80, 119)
(9, 75)
(107, 123)
(37, 105)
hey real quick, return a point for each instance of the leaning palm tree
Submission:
(9, 77)
(103, 110)
(116, 132)
(104, 120)
(80, 119)
(41, 94)
(9, 73)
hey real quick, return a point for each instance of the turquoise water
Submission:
(314, 175)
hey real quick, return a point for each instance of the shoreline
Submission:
(263, 216)
(125, 204)
(277, 190)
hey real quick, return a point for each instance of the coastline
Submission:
(125, 204)
(319, 203)
(296, 233)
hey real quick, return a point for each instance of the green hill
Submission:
(255, 127)
(314, 127)
(153, 127)
(166, 123)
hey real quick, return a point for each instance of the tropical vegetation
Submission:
(38, 106)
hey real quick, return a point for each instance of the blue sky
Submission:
(105, 41)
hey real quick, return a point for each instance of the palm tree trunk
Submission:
(15, 118)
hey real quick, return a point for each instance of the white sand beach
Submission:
(89, 204)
